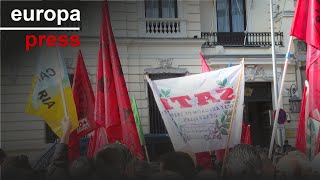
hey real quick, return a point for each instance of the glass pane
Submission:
(237, 13)
(169, 8)
(223, 16)
(152, 8)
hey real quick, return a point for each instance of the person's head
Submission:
(2, 156)
(243, 161)
(114, 161)
(267, 167)
(293, 165)
(286, 142)
(81, 169)
(179, 162)
(206, 175)
(141, 170)
(17, 167)
(166, 175)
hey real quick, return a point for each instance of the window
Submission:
(231, 15)
(161, 9)
(51, 137)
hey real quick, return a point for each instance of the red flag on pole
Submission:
(84, 101)
(306, 26)
(301, 134)
(104, 92)
(204, 65)
(313, 76)
(247, 138)
(120, 123)
(306, 23)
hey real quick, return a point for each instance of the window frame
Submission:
(161, 9)
(230, 16)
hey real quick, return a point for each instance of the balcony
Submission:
(163, 28)
(241, 39)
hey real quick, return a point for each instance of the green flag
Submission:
(137, 120)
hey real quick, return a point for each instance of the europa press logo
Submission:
(43, 26)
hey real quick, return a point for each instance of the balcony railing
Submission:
(163, 27)
(241, 39)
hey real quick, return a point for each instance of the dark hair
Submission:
(244, 160)
(113, 161)
(179, 162)
(17, 167)
(81, 169)
(166, 175)
(141, 170)
(206, 175)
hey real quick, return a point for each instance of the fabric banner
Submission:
(126, 120)
(312, 135)
(84, 100)
(113, 107)
(306, 24)
(45, 99)
(197, 109)
(313, 76)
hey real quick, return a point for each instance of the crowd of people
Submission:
(115, 161)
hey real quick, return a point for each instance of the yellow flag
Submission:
(46, 100)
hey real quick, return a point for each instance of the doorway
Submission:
(258, 102)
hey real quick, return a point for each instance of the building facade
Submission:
(163, 39)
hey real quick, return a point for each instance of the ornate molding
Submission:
(165, 66)
(165, 62)
(300, 49)
(253, 71)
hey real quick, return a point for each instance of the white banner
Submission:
(197, 109)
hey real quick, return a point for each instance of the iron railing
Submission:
(241, 39)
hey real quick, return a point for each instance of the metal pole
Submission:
(274, 67)
(280, 97)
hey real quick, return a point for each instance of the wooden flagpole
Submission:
(232, 118)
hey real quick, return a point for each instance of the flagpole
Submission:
(61, 86)
(232, 118)
(147, 154)
(274, 68)
(280, 97)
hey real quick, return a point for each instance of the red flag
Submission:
(306, 22)
(84, 101)
(301, 134)
(106, 110)
(204, 160)
(313, 76)
(306, 26)
(91, 146)
(204, 65)
(120, 123)
(247, 139)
